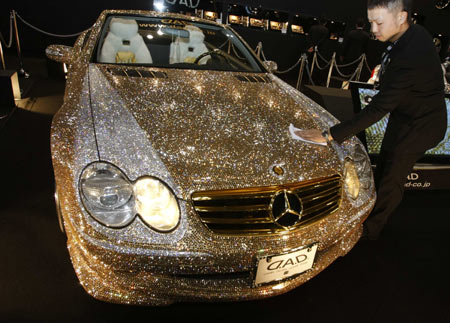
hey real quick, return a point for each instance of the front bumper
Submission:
(167, 281)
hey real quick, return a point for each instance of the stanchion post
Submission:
(2, 57)
(360, 66)
(314, 61)
(22, 71)
(258, 50)
(300, 72)
(330, 71)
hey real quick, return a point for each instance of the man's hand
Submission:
(312, 135)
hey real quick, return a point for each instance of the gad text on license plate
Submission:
(279, 267)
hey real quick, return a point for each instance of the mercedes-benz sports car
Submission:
(178, 175)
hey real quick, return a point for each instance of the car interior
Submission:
(132, 41)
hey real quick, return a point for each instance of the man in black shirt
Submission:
(412, 91)
(317, 34)
(355, 43)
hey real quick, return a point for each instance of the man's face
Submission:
(386, 25)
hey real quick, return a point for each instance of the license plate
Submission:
(279, 267)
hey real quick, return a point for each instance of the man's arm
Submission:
(396, 84)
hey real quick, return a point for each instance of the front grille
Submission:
(247, 211)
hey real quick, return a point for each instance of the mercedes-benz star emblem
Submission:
(286, 209)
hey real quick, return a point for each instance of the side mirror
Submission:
(59, 53)
(271, 66)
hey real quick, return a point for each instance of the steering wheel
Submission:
(214, 52)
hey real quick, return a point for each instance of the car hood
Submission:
(214, 129)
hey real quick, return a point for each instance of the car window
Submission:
(172, 43)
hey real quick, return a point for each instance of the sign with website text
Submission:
(420, 179)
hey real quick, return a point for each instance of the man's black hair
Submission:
(403, 5)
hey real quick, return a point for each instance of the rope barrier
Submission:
(341, 65)
(329, 64)
(309, 73)
(342, 74)
(352, 77)
(44, 32)
(9, 44)
(330, 70)
(279, 72)
(300, 71)
(320, 56)
(224, 43)
(290, 68)
(367, 64)
(354, 62)
(258, 49)
(236, 53)
(263, 55)
(324, 67)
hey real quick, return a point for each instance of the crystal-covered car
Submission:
(177, 177)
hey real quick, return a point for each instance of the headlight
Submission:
(114, 201)
(351, 179)
(156, 204)
(107, 194)
(363, 166)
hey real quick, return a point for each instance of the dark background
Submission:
(62, 17)
(402, 277)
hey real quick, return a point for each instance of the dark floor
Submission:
(402, 277)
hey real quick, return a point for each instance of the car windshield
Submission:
(173, 43)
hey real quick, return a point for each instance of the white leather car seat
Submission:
(186, 50)
(124, 44)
